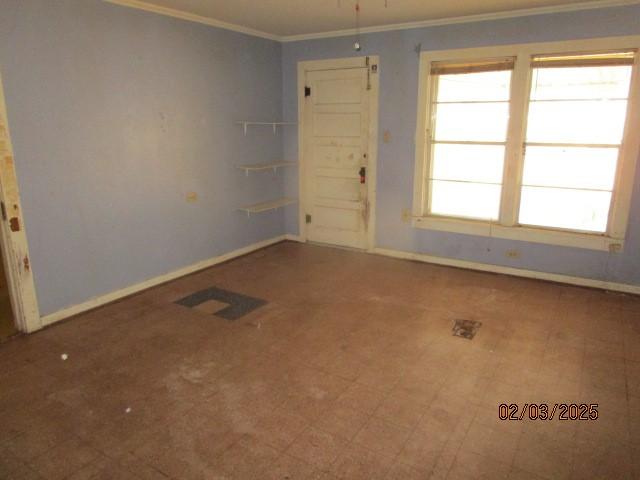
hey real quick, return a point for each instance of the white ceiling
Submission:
(287, 18)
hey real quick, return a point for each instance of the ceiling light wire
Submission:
(356, 46)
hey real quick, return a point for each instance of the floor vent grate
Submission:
(466, 328)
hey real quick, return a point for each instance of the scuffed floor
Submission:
(350, 371)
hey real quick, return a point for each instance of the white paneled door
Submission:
(337, 173)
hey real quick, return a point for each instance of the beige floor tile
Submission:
(421, 451)
(288, 467)
(360, 377)
(546, 452)
(342, 421)
(471, 465)
(382, 436)
(248, 458)
(358, 463)
(317, 448)
(401, 471)
(401, 409)
(597, 457)
(361, 397)
(64, 459)
(496, 440)
(517, 474)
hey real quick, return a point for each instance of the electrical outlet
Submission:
(406, 215)
(192, 197)
(512, 254)
(386, 136)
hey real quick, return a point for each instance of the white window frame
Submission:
(507, 226)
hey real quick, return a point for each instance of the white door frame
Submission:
(337, 64)
(13, 238)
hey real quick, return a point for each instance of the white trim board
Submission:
(486, 267)
(127, 291)
(517, 272)
(152, 282)
(483, 17)
(589, 5)
(192, 17)
(293, 238)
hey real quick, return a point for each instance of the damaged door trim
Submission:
(13, 238)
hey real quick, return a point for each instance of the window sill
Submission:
(523, 234)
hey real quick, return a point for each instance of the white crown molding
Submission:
(191, 17)
(170, 12)
(465, 19)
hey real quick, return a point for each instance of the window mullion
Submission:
(420, 192)
(625, 173)
(430, 135)
(514, 152)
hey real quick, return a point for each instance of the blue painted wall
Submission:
(398, 103)
(115, 114)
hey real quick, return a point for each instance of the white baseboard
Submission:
(486, 267)
(138, 287)
(152, 282)
(293, 238)
(518, 272)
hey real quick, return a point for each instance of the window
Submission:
(528, 142)
(577, 112)
(467, 151)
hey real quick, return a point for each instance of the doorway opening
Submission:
(18, 304)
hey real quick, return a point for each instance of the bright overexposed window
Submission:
(576, 119)
(533, 142)
(469, 118)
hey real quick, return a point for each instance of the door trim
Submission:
(13, 238)
(339, 64)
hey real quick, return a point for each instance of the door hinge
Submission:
(368, 74)
(307, 91)
(4, 211)
(307, 218)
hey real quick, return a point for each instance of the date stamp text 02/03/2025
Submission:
(546, 411)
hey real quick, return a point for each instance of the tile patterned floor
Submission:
(350, 371)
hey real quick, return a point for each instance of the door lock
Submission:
(363, 175)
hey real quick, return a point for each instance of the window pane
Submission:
(485, 122)
(580, 82)
(470, 200)
(475, 163)
(570, 167)
(484, 86)
(568, 209)
(586, 122)
(573, 105)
